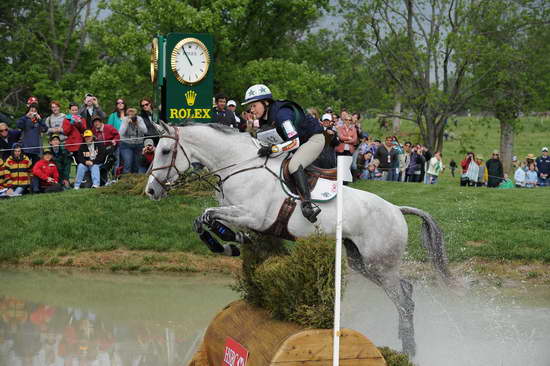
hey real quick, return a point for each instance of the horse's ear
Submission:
(165, 126)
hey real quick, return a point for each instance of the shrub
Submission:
(394, 358)
(296, 287)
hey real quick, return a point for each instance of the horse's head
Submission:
(169, 162)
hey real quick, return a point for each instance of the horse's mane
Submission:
(216, 126)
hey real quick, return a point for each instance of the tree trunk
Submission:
(506, 145)
(396, 125)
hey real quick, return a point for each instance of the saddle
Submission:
(313, 173)
(322, 184)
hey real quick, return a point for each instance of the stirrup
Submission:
(310, 211)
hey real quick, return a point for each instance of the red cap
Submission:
(32, 100)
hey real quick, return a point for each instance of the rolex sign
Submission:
(188, 78)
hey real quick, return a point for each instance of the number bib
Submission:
(270, 137)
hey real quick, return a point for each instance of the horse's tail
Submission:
(432, 241)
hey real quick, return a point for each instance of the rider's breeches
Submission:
(307, 153)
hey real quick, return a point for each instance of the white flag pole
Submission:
(343, 164)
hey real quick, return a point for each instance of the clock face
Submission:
(154, 59)
(190, 61)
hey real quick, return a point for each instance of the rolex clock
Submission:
(154, 60)
(190, 61)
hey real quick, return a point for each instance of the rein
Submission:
(183, 176)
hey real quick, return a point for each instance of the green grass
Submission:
(478, 222)
(91, 220)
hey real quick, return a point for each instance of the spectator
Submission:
(506, 183)
(515, 162)
(18, 167)
(427, 157)
(386, 154)
(519, 175)
(32, 126)
(453, 166)
(90, 108)
(149, 119)
(220, 114)
(8, 137)
(372, 172)
(543, 168)
(531, 177)
(395, 163)
(46, 171)
(356, 122)
(494, 170)
(315, 113)
(132, 132)
(468, 178)
(73, 127)
(115, 118)
(529, 159)
(232, 107)
(147, 155)
(347, 134)
(327, 159)
(62, 159)
(105, 134)
(482, 174)
(435, 167)
(363, 161)
(414, 168)
(55, 121)
(90, 157)
(3, 179)
(404, 160)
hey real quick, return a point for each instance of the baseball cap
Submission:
(514, 158)
(328, 110)
(55, 136)
(47, 151)
(544, 149)
(148, 142)
(326, 116)
(87, 133)
(232, 103)
(88, 95)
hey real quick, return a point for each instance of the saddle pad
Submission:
(325, 190)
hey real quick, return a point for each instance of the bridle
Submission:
(182, 176)
(167, 185)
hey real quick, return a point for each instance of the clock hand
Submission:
(185, 53)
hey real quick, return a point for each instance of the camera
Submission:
(134, 118)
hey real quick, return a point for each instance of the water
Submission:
(110, 320)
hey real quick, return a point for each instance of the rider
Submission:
(284, 127)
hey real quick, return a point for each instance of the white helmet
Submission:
(257, 92)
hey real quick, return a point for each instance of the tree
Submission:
(508, 29)
(427, 49)
(44, 50)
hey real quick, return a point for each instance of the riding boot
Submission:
(309, 210)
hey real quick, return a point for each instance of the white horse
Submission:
(374, 230)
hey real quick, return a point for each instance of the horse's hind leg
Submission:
(398, 290)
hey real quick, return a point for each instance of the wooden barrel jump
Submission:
(276, 343)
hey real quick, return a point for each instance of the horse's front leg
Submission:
(212, 219)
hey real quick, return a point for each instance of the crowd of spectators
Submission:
(124, 142)
(37, 155)
(530, 173)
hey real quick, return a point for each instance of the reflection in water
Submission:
(97, 333)
(96, 319)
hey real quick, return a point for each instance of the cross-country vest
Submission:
(305, 124)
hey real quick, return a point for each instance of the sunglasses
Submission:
(145, 105)
(120, 103)
(3, 130)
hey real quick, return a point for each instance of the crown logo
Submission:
(190, 97)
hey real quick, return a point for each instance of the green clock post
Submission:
(183, 76)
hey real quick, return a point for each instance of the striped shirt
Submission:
(18, 171)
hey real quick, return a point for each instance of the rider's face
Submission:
(257, 109)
